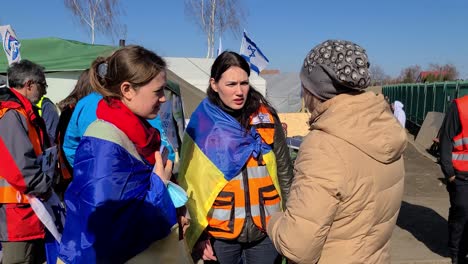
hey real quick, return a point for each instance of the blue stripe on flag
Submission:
(254, 56)
(255, 45)
(252, 66)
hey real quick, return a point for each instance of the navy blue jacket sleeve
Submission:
(51, 118)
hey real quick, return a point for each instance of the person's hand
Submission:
(206, 250)
(45, 196)
(451, 179)
(184, 223)
(164, 171)
(183, 219)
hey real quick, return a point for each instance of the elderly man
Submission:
(23, 140)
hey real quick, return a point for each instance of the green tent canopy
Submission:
(57, 54)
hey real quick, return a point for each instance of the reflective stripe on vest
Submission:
(460, 141)
(227, 216)
(39, 105)
(252, 194)
(459, 156)
(8, 194)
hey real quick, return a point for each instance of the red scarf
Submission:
(34, 118)
(26, 104)
(145, 137)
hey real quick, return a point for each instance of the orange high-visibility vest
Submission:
(460, 141)
(250, 194)
(66, 174)
(8, 194)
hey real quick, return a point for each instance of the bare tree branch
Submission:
(98, 16)
(214, 17)
(378, 76)
(447, 72)
(410, 74)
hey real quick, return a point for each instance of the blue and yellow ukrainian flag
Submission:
(215, 149)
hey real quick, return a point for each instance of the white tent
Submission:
(64, 60)
(196, 71)
(284, 92)
(193, 75)
(61, 84)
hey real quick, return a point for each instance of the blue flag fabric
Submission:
(253, 55)
(222, 139)
(116, 206)
(52, 248)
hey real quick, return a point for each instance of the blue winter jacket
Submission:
(84, 114)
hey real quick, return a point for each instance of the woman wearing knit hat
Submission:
(349, 173)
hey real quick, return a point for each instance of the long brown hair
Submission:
(133, 64)
(82, 88)
(254, 99)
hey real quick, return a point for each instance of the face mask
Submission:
(178, 195)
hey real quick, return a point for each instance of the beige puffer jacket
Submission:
(348, 185)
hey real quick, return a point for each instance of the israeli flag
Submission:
(11, 44)
(254, 56)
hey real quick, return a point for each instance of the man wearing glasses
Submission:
(23, 140)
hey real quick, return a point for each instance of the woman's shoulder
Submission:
(106, 131)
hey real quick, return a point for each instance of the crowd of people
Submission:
(139, 186)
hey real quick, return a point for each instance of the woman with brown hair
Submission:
(118, 204)
(66, 106)
(235, 166)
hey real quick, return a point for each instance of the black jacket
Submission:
(285, 175)
(450, 128)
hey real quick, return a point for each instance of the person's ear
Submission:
(213, 84)
(127, 91)
(28, 85)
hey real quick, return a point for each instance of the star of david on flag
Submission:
(11, 44)
(253, 55)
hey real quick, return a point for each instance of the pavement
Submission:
(420, 236)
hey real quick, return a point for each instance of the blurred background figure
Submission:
(399, 113)
(67, 106)
(48, 112)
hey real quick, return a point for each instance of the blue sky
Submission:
(395, 33)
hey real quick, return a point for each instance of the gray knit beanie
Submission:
(334, 67)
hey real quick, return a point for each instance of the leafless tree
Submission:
(447, 72)
(410, 74)
(378, 76)
(214, 17)
(98, 16)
